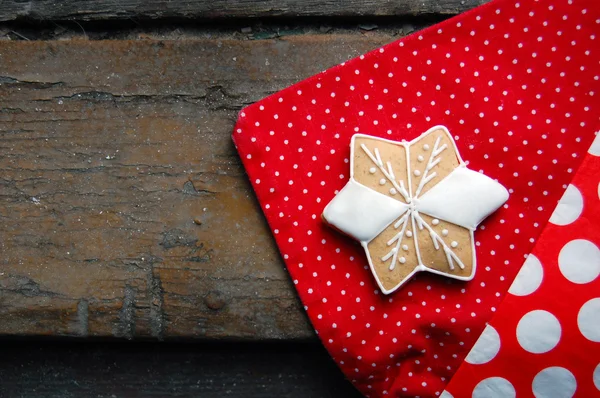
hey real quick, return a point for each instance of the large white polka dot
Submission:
(554, 382)
(569, 207)
(486, 347)
(579, 261)
(529, 277)
(597, 377)
(494, 387)
(588, 320)
(595, 148)
(446, 394)
(538, 331)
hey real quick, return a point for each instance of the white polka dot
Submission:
(595, 148)
(597, 377)
(588, 320)
(554, 382)
(486, 347)
(569, 207)
(494, 387)
(529, 277)
(538, 331)
(579, 261)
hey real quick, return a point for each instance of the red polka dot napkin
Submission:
(517, 85)
(544, 341)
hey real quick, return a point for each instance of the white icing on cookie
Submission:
(465, 197)
(367, 223)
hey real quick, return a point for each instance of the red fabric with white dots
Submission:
(544, 341)
(517, 84)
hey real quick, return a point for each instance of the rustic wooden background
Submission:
(125, 213)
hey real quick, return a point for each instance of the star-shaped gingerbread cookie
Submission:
(413, 206)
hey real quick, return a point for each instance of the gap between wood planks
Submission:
(65, 369)
(237, 29)
(90, 10)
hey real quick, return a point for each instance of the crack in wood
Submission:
(31, 84)
(190, 189)
(25, 286)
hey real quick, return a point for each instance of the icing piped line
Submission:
(420, 221)
(416, 241)
(434, 240)
(408, 173)
(426, 180)
(398, 223)
(379, 162)
(387, 256)
(449, 259)
(432, 165)
(404, 192)
(390, 170)
(433, 161)
(398, 237)
(438, 151)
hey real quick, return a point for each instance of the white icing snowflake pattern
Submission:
(425, 190)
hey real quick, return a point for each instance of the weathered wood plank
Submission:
(88, 10)
(124, 209)
(170, 370)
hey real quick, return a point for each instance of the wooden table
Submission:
(125, 212)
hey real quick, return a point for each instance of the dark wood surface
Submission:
(126, 370)
(86, 10)
(125, 211)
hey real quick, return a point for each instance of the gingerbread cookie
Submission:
(413, 206)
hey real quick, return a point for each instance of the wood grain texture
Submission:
(124, 209)
(88, 10)
(208, 370)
